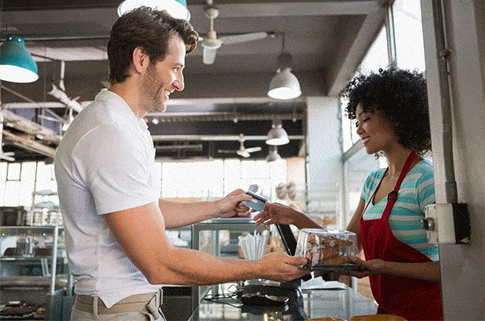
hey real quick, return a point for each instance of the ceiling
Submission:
(327, 40)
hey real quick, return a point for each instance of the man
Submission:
(114, 220)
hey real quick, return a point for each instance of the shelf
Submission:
(41, 230)
(25, 317)
(28, 259)
(35, 281)
(34, 270)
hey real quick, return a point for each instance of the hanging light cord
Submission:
(282, 42)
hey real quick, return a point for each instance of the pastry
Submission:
(324, 247)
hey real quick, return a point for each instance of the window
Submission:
(208, 180)
(12, 184)
(13, 171)
(46, 179)
(356, 170)
(3, 178)
(198, 180)
(19, 180)
(202, 180)
(409, 34)
(376, 57)
(349, 135)
(27, 183)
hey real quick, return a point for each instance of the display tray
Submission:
(21, 312)
(331, 268)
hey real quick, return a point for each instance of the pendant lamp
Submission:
(176, 8)
(284, 84)
(273, 154)
(16, 63)
(277, 135)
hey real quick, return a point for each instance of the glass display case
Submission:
(34, 275)
(206, 236)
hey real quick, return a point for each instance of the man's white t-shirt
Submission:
(104, 163)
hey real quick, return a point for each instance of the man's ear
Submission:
(140, 59)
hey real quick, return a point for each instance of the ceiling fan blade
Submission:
(226, 151)
(209, 56)
(243, 153)
(228, 40)
(210, 43)
(8, 156)
(253, 149)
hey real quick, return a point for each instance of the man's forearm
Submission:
(190, 267)
(200, 268)
(177, 214)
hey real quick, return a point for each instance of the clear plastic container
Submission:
(327, 249)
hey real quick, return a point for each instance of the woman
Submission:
(392, 120)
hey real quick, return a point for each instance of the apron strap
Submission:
(392, 195)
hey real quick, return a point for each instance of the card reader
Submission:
(257, 203)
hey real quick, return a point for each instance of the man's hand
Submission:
(231, 206)
(281, 267)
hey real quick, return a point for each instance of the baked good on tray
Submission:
(13, 251)
(326, 248)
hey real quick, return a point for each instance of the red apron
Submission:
(410, 298)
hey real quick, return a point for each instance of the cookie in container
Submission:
(327, 250)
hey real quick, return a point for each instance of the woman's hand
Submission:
(367, 267)
(275, 213)
(429, 271)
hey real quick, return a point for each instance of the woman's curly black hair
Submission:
(402, 97)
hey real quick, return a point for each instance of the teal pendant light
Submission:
(16, 63)
(176, 8)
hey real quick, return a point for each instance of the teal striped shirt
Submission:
(417, 191)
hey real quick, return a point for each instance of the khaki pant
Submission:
(77, 315)
(133, 308)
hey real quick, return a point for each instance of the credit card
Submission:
(257, 203)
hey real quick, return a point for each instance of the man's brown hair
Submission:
(147, 28)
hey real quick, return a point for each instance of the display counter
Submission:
(336, 300)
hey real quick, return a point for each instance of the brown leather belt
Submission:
(147, 302)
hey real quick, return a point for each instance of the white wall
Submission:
(462, 266)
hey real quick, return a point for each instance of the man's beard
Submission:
(152, 89)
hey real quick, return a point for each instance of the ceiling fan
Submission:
(59, 92)
(8, 156)
(242, 151)
(211, 43)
